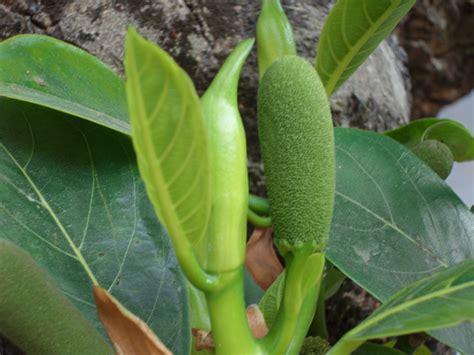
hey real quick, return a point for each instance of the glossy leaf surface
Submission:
(170, 141)
(351, 32)
(457, 137)
(55, 74)
(441, 300)
(395, 221)
(71, 196)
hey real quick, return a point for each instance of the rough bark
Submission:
(438, 36)
(199, 34)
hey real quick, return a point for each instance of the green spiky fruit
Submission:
(297, 139)
(436, 155)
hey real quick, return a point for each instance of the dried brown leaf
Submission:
(128, 333)
(262, 260)
(256, 320)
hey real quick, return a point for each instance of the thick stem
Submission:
(297, 308)
(307, 312)
(318, 326)
(230, 327)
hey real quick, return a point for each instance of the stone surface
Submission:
(438, 36)
(200, 34)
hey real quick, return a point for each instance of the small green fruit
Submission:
(297, 139)
(436, 155)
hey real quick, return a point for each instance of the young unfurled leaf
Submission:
(450, 132)
(441, 300)
(36, 315)
(270, 302)
(170, 140)
(128, 333)
(224, 245)
(274, 35)
(351, 32)
(52, 73)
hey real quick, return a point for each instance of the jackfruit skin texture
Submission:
(297, 144)
(436, 155)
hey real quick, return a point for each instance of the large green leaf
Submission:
(451, 133)
(71, 196)
(444, 299)
(351, 32)
(395, 221)
(170, 141)
(52, 73)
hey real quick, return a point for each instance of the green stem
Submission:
(303, 275)
(230, 327)
(258, 221)
(318, 326)
(307, 312)
(259, 204)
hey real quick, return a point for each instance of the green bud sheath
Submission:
(36, 315)
(297, 142)
(436, 155)
(226, 235)
(274, 35)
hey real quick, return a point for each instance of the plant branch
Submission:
(304, 271)
(230, 327)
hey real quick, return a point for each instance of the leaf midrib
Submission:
(346, 60)
(45, 204)
(405, 306)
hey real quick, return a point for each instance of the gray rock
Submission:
(199, 34)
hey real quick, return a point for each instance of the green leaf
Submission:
(376, 349)
(395, 221)
(274, 35)
(36, 315)
(351, 32)
(270, 302)
(452, 133)
(52, 73)
(170, 141)
(444, 299)
(71, 196)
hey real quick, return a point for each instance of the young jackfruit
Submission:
(436, 155)
(297, 142)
